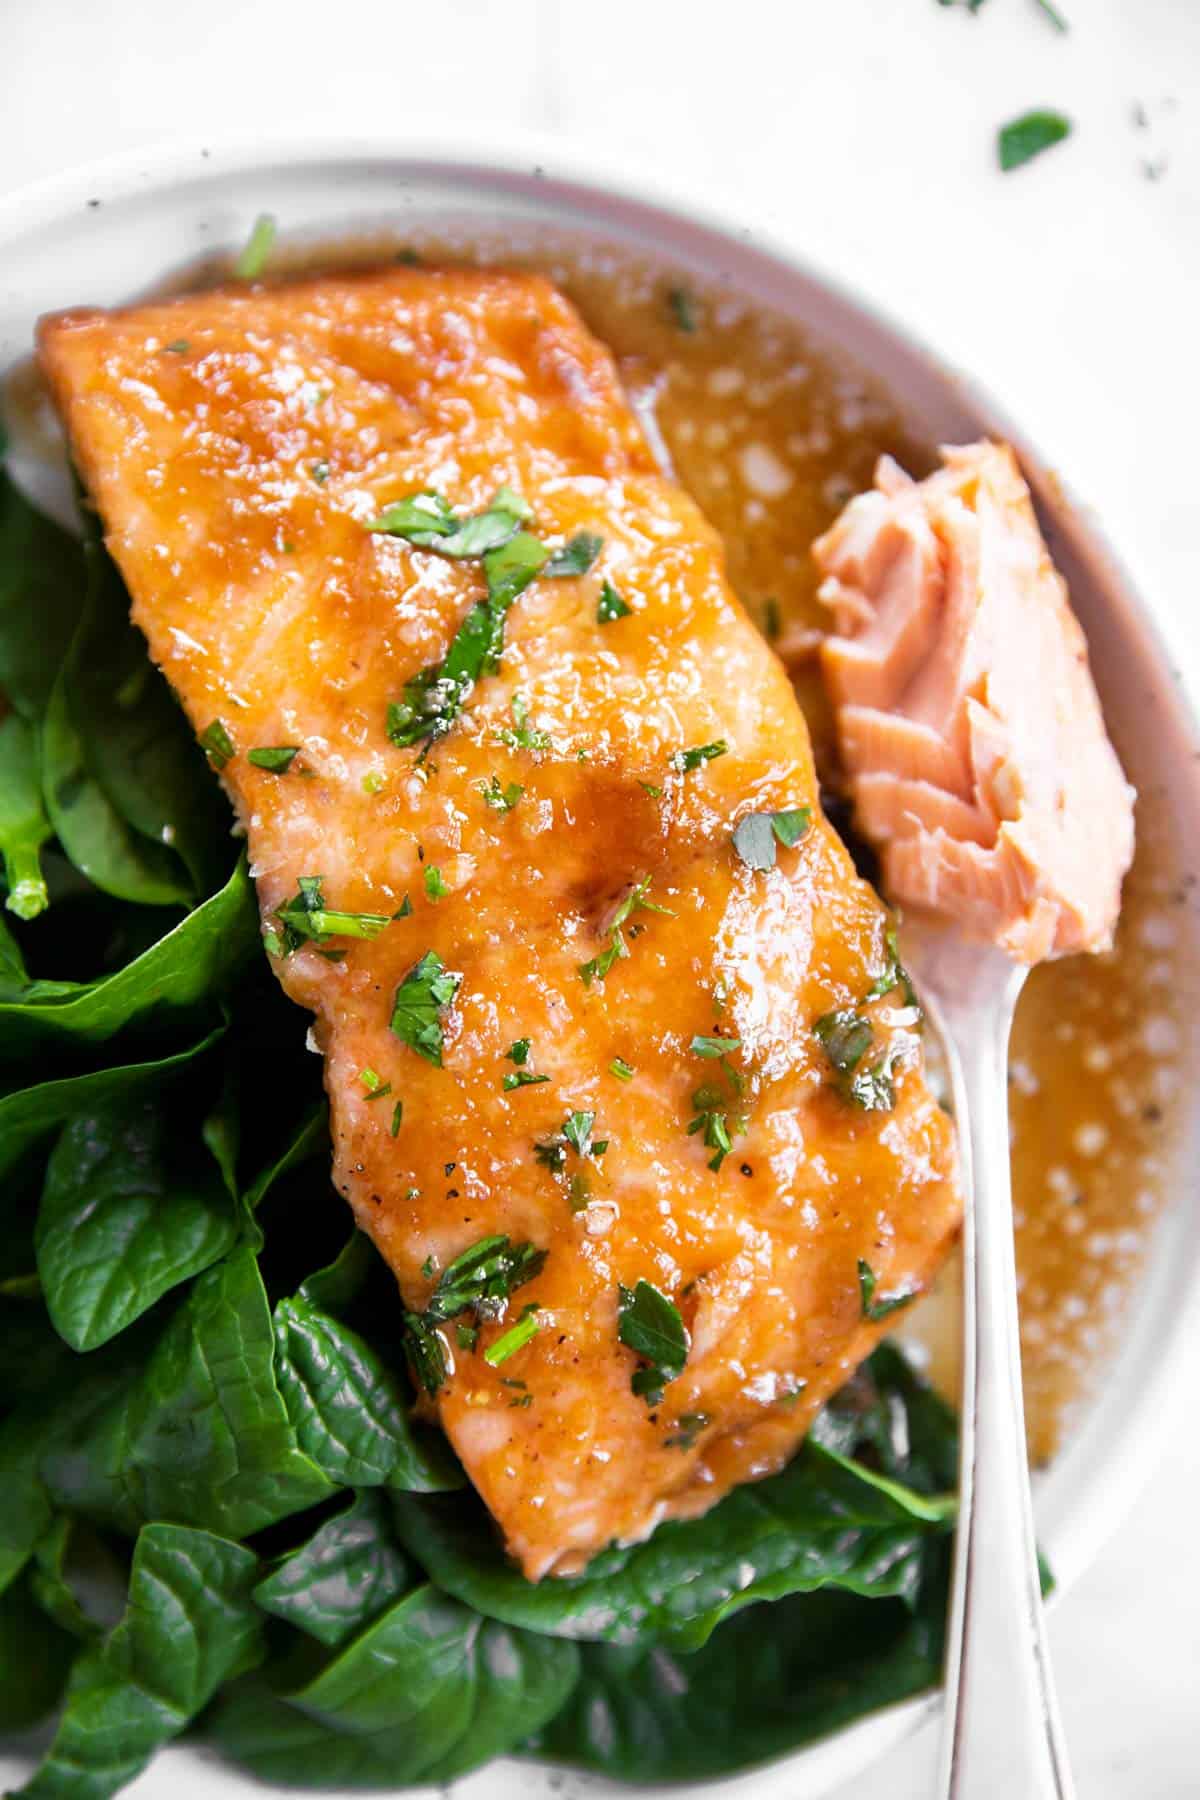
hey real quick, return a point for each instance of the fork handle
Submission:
(1002, 1738)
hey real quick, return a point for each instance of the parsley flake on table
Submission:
(1022, 139)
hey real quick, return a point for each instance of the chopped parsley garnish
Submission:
(883, 1308)
(180, 347)
(894, 975)
(501, 798)
(217, 744)
(712, 1103)
(577, 1129)
(430, 523)
(1022, 139)
(683, 308)
(512, 558)
(306, 917)
(509, 571)
(424, 519)
(466, 1336)
(714, 1046)
(651, 1326)
(276, 758)
(374, 1083)
(479, 1281)
(711, 1106)
(522, 735)
(576, 556)
(514, 1339)
(756, 836)
(652, 788)
(253, 259)
(482, 1278)
(617, 949)
(373, 781)
(846, 1036)
(435, 887)
(611, 606)
(552, 1155)
(621, 1069)
(685, 760)
(397, 1117)
(772, 622)
(404, 910)
(521, 1076)
(427, 989)
(688, 1427)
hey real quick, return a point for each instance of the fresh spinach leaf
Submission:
(30, 1113)
(425, 1693)
(132, 1206)
(126, 787)
(347, 1407)
(190, 1625)
(35, 1655)
(197, 961)
(42, 585)
(757, 1690)
(24, 827)
(76, 1578)
(343, 1577)
(821, 1522)
(197, 1431)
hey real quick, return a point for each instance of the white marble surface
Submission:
(860, 131)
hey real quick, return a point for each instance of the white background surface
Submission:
(861, 133)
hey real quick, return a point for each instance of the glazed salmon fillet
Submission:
(593, 1019)
(968, 721)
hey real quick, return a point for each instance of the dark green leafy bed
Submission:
(218, 1513)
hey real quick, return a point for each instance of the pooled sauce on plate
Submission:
(771, 435)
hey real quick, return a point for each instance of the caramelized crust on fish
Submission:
(238, 446)
(969, 723)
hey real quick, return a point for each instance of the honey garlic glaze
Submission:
(771, 434)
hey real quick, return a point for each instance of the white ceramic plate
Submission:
(105, 234)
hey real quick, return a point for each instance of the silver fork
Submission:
(1002, 1738)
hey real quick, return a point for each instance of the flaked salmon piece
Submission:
(238, 446)
(968, 720)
